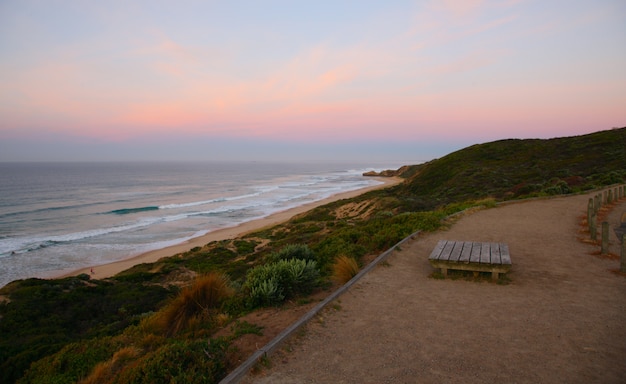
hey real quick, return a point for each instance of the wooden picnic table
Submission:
(471, 256)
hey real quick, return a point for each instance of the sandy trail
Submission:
(560, 319)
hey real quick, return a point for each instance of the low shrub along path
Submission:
(560, 318)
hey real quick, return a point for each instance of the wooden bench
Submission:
(471, 256)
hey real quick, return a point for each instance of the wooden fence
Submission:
(603, 198)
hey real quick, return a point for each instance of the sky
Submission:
(404, 81)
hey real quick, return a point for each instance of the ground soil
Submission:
(558, 317)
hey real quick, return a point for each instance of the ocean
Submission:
(63, 216)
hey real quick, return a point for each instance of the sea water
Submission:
(64, 216)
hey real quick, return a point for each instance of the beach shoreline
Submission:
(111, 269)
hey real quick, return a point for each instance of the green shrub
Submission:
(45, 315)
(556, 187)
(292, 251)
(183, 361)
(72, 362)
(266, 293)
(245, 247)
(302, 276)
(272, 283)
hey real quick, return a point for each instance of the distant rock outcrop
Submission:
(388, 172)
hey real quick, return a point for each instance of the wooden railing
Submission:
(604, 198)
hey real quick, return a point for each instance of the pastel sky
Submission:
(316, 80)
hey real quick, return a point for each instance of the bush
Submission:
(302, 276)
(344, 269)
(272, 283)
(266, 293)
(72, 362)
(45, 315)
(245, 247)
(105, 371)
(557, 187)
(336, 244)
(180, 362)
(292, 251)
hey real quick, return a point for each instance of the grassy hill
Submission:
(157, 322)
(512, 168)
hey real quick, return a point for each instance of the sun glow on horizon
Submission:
(477, 70)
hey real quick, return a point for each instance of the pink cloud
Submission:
(458, 8)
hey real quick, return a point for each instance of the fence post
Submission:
(622, 266)
(593, 228)
(589, 213)
(605, 237)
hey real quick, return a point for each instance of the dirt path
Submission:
(561, 319)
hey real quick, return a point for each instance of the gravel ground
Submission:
(560, 319)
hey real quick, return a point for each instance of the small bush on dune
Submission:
(181, 361)
(105, 371)
(272, 283)
(266, 293)
(344, 269)
(292, 251)
(73, 362)
(205, 294)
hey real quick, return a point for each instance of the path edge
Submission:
(242, 370)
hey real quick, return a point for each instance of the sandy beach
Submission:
(111, 269)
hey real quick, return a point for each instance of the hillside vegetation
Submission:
(509, 169)
(159, 322)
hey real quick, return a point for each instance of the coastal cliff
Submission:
(388, 172)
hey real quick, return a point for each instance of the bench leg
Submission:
(444, 272)
(494, 276)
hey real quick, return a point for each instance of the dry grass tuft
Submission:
(201, 298)
(222, 319)
(344, 269)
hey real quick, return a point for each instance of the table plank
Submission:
(456, 251)
(485, 253)
(466, 252)
(438, 249)
(475, 256)
(495, 254)
(447, 250)
(505, 256)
